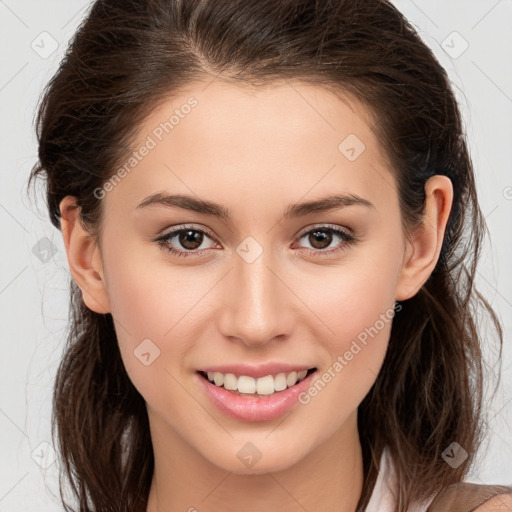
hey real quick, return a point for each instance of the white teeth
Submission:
(246, 384)
(230, 381)
(265, 385)
(291, 380)
(218, 378)
(262, 386)
(280, 382)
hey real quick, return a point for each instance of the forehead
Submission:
(244, 144)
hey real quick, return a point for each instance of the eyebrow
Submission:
(216, 210)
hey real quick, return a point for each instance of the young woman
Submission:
(270, 217)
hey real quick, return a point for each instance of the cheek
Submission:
(361, 325)
(157, 303)
(353, 299)
(358, 307)
(148, 297)
(355, 354)
(150, 316)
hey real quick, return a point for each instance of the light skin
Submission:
(255, 152)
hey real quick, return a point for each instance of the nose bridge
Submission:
(256, 312)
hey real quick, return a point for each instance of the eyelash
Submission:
(347, 238)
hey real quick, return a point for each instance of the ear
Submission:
(84, 257)
(424, 245)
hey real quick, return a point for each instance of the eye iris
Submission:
(324, 237)
(190, 239)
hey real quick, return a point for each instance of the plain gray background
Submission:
(472, 39)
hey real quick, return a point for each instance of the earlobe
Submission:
(425, 242)
(84, 257)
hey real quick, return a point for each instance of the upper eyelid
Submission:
(327, 227)
(184, 227)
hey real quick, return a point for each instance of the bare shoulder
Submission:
(499, 503)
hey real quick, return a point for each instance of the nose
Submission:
(258, 306)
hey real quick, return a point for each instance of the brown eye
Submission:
(320, 239)
(186, 241)
(190, 239)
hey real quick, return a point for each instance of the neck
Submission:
(329, 478)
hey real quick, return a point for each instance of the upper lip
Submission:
(256, 371)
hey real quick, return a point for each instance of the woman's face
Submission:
(268, 282)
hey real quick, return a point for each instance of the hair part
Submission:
(127, 58)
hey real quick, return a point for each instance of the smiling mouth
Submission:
(267, 386)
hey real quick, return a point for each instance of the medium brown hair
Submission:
(126, 58)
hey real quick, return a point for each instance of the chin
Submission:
(275, 461)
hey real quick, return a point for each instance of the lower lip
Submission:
(249, 408)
